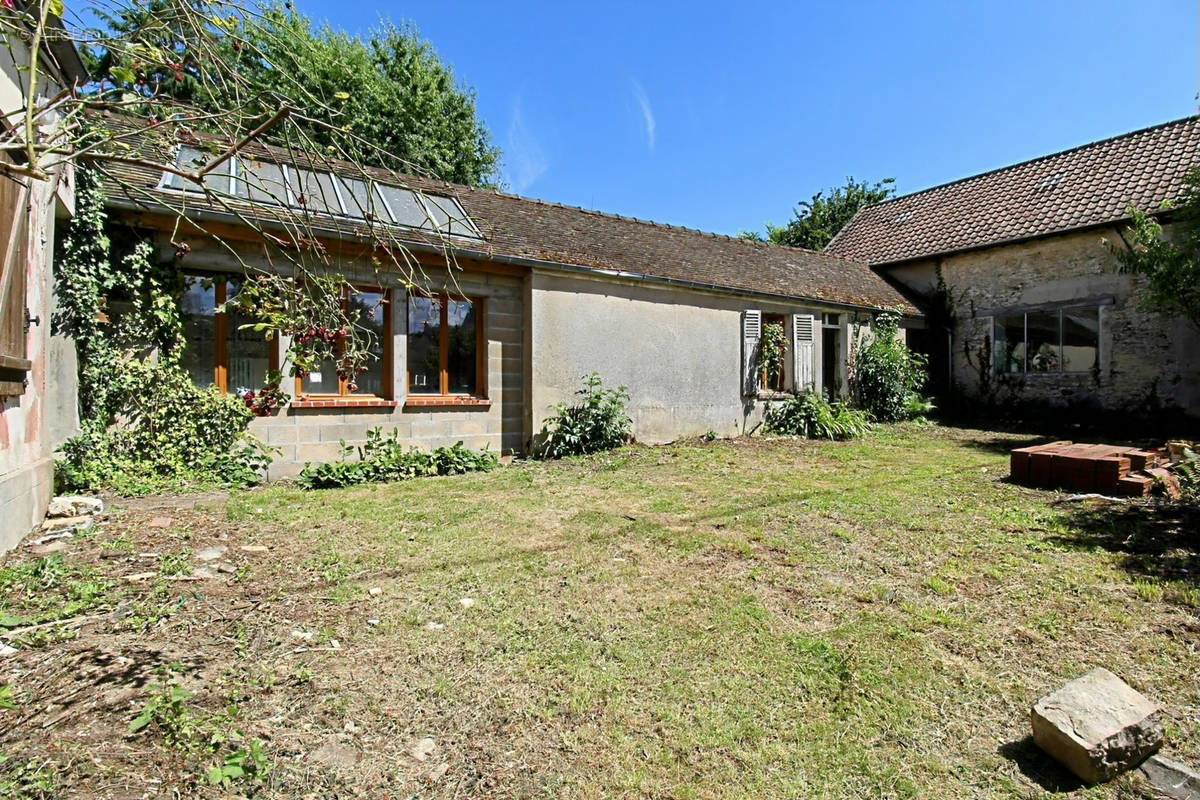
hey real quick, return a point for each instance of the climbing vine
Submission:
(144, 425)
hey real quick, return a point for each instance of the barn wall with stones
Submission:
(1146, 360)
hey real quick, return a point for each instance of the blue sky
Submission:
(721, 116)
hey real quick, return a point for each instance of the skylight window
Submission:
(265, 182)
(191, 159)
(1050, 181)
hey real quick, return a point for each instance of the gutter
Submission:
(126, 204)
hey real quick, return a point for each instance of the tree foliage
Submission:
(815, 222)
(1171, 266)
(390, 93)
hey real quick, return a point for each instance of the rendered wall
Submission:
(1145, 358)
(677, 350)
(34, 424)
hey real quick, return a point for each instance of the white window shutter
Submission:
(751, 335)
(804, 351)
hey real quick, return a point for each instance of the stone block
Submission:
(74, 506)
(1097, 726)
(1171, 778)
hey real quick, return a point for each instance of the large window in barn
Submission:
(1054, 341)
(446, 353)
(220, 351)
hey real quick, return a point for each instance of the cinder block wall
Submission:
(313, 434)
(1140, 351)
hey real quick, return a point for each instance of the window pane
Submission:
(262, 182)
(190, 159)
(249, 352)
(406, 209)
(321, 381)
(424, 345)
(1008, 344)
(316, 189)
(368, 310)
(461, 363)
(1081, 339)
(1042, 330)
(200, 330)
(359, 199)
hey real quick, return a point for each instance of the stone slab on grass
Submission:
(1171, 778)
(1097, 726)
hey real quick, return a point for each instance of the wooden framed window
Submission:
(14, 236)
(446, 346)
(368, 308)
(219, 352)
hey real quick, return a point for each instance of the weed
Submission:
(27, 779)
(175, 563)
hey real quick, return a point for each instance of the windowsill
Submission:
(774, 395)
(343, 402)
(446, 401)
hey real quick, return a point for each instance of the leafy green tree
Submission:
(381, 100)
(815, 222)
(1171, 265)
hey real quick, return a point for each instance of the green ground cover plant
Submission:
(596, 421)
(813, 417)
(382, 458)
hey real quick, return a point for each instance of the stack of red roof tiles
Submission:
(1090, 467)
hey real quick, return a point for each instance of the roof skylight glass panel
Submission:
(315, 191)
(358, 199)
(449, 216)
(191, 159)
(263, 182)
(405, 207)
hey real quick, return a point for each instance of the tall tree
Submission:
(815, 222)
(387, 101)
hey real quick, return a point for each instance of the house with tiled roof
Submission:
(517, 300)
(1038, 312)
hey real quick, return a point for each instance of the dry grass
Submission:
(736, 619)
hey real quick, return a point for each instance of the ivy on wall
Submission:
(144, 425)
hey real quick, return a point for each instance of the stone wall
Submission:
(1145, 358)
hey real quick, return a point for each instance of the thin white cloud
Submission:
(639, 94)
(526, 161)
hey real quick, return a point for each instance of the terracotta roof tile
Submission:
(1086, 186)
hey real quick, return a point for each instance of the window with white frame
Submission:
(1046, 341)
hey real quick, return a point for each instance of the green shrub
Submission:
(597, 422)
(170, 435)
(887, 377)
(382, 458)
(1188, 472)
(813, 417)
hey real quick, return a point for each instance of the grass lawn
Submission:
(748, 618)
